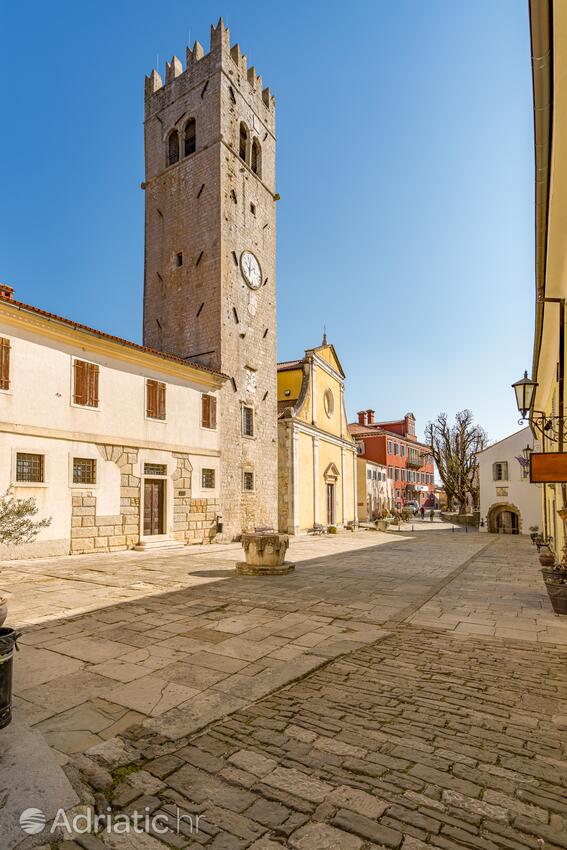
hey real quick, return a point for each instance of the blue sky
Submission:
(405, 166)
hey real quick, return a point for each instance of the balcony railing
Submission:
(415, 462)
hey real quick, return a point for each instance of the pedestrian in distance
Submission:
(422, 512)
(431, 515)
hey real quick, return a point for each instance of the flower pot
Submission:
(534, 536)
(557, 592)
(546, 559)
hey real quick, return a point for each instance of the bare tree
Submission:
(454, 448)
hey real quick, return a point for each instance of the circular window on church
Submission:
(329, 403)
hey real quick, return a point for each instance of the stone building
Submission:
(317, 455)
(509, 503)
(117, 443)
(210, 254)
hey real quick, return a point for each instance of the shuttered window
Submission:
(208, 411)
(85, 390)
(4, 364)
(155, 399)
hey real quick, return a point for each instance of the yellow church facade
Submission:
(316, 454)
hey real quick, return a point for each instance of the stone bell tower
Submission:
(210, 254)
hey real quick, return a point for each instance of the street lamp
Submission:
(525, 392)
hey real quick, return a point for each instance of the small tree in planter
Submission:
(534, 533)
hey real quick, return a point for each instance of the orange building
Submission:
(394, 445)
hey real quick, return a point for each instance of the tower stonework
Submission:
(210, 255)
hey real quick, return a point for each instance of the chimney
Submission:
(6, 292)
(370, 414)
(361, 417)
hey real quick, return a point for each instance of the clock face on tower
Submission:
(251, 271)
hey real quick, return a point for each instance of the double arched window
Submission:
(251, 154)
(173, 150)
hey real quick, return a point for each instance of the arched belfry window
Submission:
(256, 158)
(243, 143)
(190, 137)
(173, 148)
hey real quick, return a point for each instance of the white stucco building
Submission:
(117, 443)
(374, 489)
(509, 503)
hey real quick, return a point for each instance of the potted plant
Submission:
(534, 533)
(555, 581)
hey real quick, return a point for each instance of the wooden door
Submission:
(154, 489)
(330, 504)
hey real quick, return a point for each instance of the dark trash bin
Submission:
(8, 638)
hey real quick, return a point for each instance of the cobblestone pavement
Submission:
(424, 740)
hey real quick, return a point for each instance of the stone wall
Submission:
(96, 533)
(194, 520)
(285, 472)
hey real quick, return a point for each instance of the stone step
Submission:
(160, 543)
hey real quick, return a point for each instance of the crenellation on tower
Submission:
(220, 52)
(173, 69)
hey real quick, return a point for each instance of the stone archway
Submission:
(504, 518)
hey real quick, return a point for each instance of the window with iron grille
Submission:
(30, 467)
(248, 481)
(85, 385)
(155, 399)
(248, 421)
(4, 364)
(84, 470)
(208, 411)
(155, 469)
(207, 479)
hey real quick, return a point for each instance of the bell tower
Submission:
(210, 254)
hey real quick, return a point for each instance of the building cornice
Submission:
(103, 439)
(57, 329)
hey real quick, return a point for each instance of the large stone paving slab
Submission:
(185, 658)
(501, 594)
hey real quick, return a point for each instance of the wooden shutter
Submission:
(208, 411)
(86, 383)
(151, 399)
(80, 383)
(155, 399)
(4, 363)
(160, 400)
(92, 384)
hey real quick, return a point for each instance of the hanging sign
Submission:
(548, 467)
